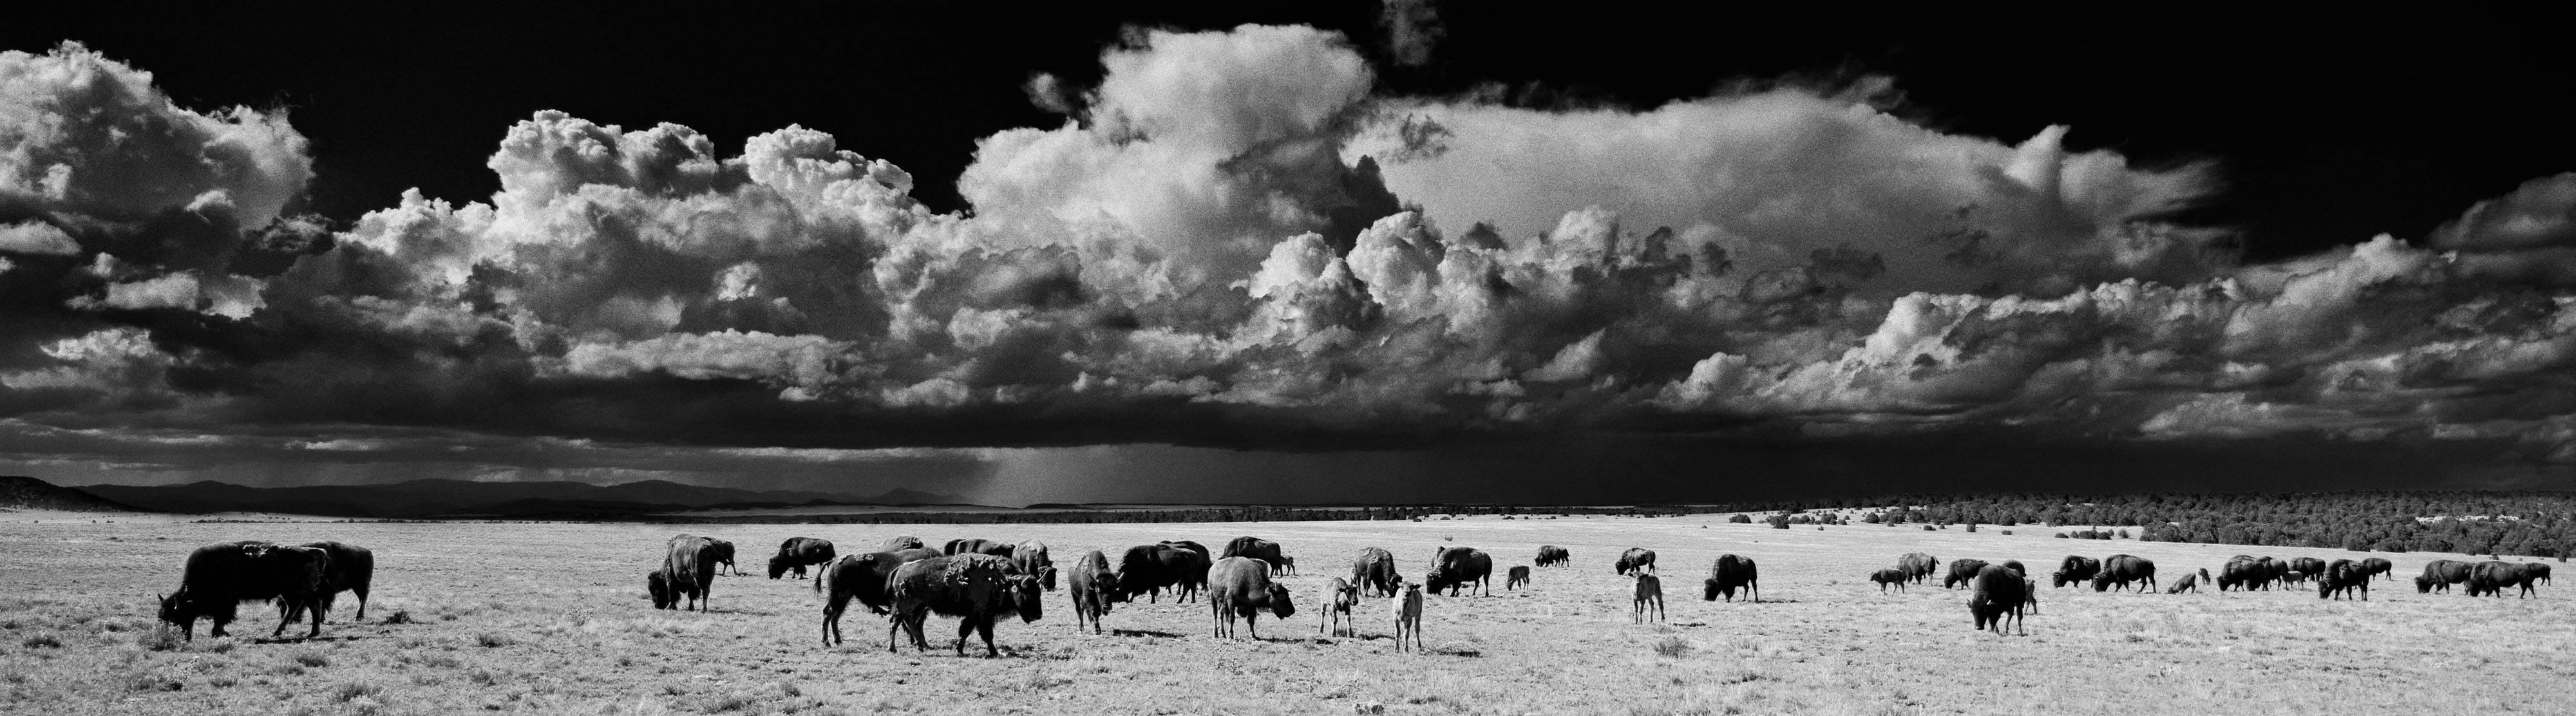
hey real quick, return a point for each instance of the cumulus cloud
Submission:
(1232, 241)
(85, 137)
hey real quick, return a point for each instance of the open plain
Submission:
(553, 618)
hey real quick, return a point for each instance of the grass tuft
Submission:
(353, 690)
(159, 638)
(400, 616)
(41, 641)
(313, 659)
(1672, 647)
(489, 641)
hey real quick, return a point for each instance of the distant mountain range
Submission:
(27, 493)
(467, 498)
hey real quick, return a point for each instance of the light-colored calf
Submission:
(1339, 597)
(1408, 616)
(1650, 592)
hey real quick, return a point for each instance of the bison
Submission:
(1889, 577)
(1998, 595)
(2121, 569)
(1031, 558)
(723, 555)
(2341, 577)
(1553, 556)
(2015, 566)
(2188, 583)
(1195, 579)
(1257, 548)
(688, 570)
(976, 545)
(1288, 564)
(2243, 573)
(352, 570)
(1148, 569)
(1963, 573)
(1638, 559)
(865, 578)
(1516, 578)
(1918, 566)
(2277, 571)
(2440, 574)
(2491, 577)
(1649, 595)
(1461, 567)
(1374, 571)
(2075, 569)
(2310, 566)
(976, 588)
(1729, 574)
(1093, 588)
(797, 553)
(2377, 566)
(217, 578)
(899, 543)
(1241, 586)
(1407, 607)
(1340, 597)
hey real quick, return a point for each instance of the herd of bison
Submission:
(981, 581)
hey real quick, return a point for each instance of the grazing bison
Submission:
(2074, 569)
(1918, 566)
(1195, 579)
(2310, 566)
(1650, 595)
(352, 569)
(1999, 595)
(1963, 573)
(1148, 569)
(1889, 577)
(899, 543)
(1461, 567)
(2188, 583)
(2341, 577)
(1553, 556)
(2243, 573)
(1731, 573)
(1340, 597)
(2122, 570)
(2491, 577)
(863, 577)
(1256, 548)
(2278, 571)
(1374, 571)
(1241, 586)
(976, 588)
(2440, 574)
(797, 553)
(217, 578)
(1288, 564)
(1517, 577)
(1407, 606)
(976, 545)
(723, 555)
(2377, 566)
(1637, 559)
(1093, 588)
(2294, 577)
(1031, 559)
(2536, 571)
(688, 569)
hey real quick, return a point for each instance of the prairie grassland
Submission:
(551, 618)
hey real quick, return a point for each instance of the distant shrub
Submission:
(1741, 519)
(1927, 528)
(1972, 527)
(2007, 531)
(488, 641)
(1672, 647)
(2061, 535)
(352, 690)
(41, 641)
(313, 659)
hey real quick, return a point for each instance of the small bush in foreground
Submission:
(1672, 647)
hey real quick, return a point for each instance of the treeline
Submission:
(1039, 515)
(2535, 524)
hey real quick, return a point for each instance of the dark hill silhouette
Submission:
(19, 492)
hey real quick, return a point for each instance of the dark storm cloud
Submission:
(1232, 242)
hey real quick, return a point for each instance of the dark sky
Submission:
(1903, 252)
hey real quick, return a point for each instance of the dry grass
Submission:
(551, 618)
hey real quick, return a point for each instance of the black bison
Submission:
(1149, 568)
(2310, 566)
(899, 543)
(1257, 548)
(2074, 569)
(1730, 573)
(862, 577)
(2341, 577)
(1963, 573)
(1650, 597)
(1638, 559)
(1241, 586)
(2243, 573)
(352, 570)
(217, 578)
(2440, 574)
(1889, 577)
(1340, 597)
(976, 588)
(1032, 559)
(1093, 588)
(1288, 564)
(2491, 577)
(1196, 579)
(723, 555)
(2015, 566)
(2536, 571)
(797, 553)
(1999, 595)
(1460, 567)
(976, 545)
(2377, 566)
(1918, 566)
(2278, 571)
(1516, 578)
(2121, 569)
(1553, 556)
(1374, 571)
(688, 569)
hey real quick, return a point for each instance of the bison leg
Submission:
(966, 628)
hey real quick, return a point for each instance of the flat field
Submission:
(552, 618)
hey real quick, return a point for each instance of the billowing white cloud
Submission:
(84, 137)
(36, 237)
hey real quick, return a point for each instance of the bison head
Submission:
(1024, 595)
(1279, 604)
(1046, 576)
(2102, 582)
(778, 567)
(1710, 590)
(658, 585)
(2423, 585)
(177, 610)
(1620, 565)
(1434, 581)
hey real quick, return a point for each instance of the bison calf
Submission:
(1517, 577)
(1340, 596)
(1889, 577)
(1649, 595)
(1407, 606)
